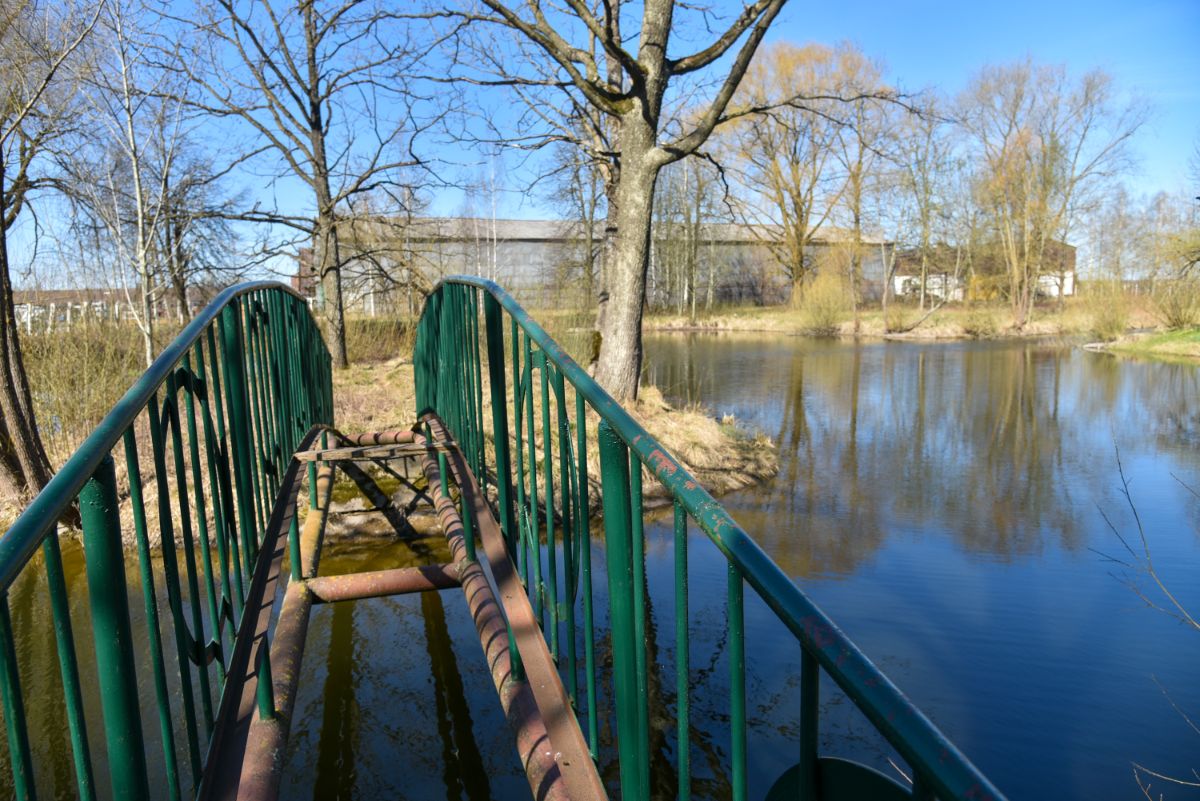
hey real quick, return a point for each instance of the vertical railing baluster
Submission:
(294, 546)
(211, 457)
(564, 472)
(737, 682)
(14, 709)
(225, 466)
(495, 348)
(171, 405)
(548, 479)
(150, 602)
(239, 440)
(614, 472)
(638, 540)
(258, 462)
(535, 533)
(206, 565)
(682, 656)
(276, 353)
(585, 569)
(166, 530)
(68, 665)
(264, 694)
(481, 470)
(519, 390)
(107, 592)
(810, 676)
(477, 384)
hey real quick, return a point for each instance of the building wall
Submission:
(542, 266)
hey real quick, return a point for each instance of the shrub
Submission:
(1110, 315)
(898, 318)
(378, 339)
(824, 305)
(980, 323)
(1177, 303)
(77, 373)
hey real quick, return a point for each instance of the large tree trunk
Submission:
(328, 254)
(24, 468)
(620, 365)
(330, 274)
(798, 274)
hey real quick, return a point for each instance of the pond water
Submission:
(948, 505)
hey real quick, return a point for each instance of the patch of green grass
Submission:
(1185, 343)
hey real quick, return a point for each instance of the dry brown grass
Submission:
(374, 396)
(1074, 317)
(720, 454)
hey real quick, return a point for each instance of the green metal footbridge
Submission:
(204, 496)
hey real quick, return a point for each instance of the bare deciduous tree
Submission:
(120, 179)
(1048, 146)
(784, 160)
(594, 61)
(324, 88)
(923, 151)
(36, 41)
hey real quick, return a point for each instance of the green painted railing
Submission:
(542, 492)
(254, 377)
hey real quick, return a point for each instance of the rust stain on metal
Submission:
(567, 749)
(663, 462)
(381, 583)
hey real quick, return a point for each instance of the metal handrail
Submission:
(225, 405)
(445, 361)
(27, 531)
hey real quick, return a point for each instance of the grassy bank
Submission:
(1077, 316)
(721, 454)
(1165, 344)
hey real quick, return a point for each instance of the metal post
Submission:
(495, 351)
(265, 690)
(614, 477)
(495, 348)
(14, 709)
(107, 592)
(810, 699)
(737, 682)
(233, 353)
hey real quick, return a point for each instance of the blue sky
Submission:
(1151, 48)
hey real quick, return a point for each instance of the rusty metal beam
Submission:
(378, 438)
(516, 697)
(381, 583)
(367, 453)
(312, 536)
(560, 764)
(266, 741)
(228, 753)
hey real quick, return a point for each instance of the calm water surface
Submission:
(944, 503)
